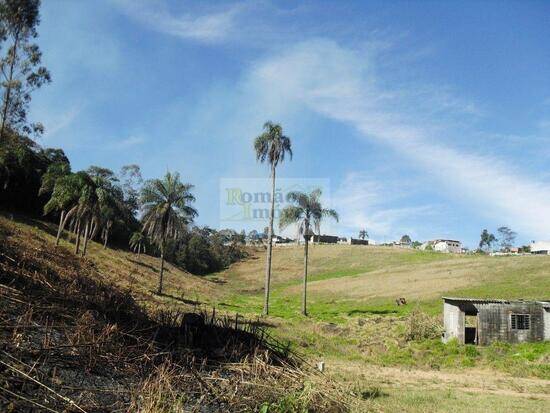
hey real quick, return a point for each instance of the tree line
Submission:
(155, 216)
(97, 204)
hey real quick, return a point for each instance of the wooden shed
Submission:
(483, 321)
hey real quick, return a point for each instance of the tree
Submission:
(405, 239)
(486, 240)
(20, 70)
(506, 237)
(253, 236)
(271, 147)
(130, 176)
(307, 213)
(363, 234)
(137, 242)
(166, 212)
(66, 198)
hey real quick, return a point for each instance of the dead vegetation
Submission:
(71, 341)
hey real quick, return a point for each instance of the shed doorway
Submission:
(471, 324)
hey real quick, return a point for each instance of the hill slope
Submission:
(354, 324)
(72, 340)
(346, 279)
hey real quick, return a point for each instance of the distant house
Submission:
(358, 241)
(540, 247)
(443, 245)
(277, 239)
(484, 321)
(325, 239)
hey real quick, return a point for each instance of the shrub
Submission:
(421, 326)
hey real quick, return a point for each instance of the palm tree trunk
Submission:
(304, 296)
(106, 238)
(159, 292)
(269, 243)
(60, 228)
(77, 243)
(64, 222)
(86, 232)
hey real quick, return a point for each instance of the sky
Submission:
(424, 118)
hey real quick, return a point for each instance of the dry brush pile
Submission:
(72, 342)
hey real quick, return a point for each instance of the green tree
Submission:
(363, 234)
(20, 70)
(271, 147)
(137, 242)
(66, 198)
(405, 239)
(307, 213)
(486, 240)
(166, 212)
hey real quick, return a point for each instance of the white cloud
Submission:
(208, 27)
(364, 203)
(343, 84)
(54, 123)
(127, 142)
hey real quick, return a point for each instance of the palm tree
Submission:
(166, 212)
(363, 234)
(137, 242)
(307, 213)
(65, 198)
(271, 146)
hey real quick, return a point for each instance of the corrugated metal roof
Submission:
(495, 300)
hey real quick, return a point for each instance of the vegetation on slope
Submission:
(75, 341)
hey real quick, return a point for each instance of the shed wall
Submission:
(453, 320)
(546, 316)
(495, 324)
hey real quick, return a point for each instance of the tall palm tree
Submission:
(137, 242)
(271, 146)
(166, 212)
(363, 234)
(307, 213)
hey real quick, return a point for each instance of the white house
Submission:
(540, 247)
(444, 245)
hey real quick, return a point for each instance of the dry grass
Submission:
(72, 341)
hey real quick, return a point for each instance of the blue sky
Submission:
(428, 118)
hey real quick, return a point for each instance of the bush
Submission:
(421, 326)
(204, 251)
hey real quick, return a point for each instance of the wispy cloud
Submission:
(126, 143)
(365, 203)
(210, 27)
(54, 123)
(343, 84)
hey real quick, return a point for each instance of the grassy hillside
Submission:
(354, 280)
(357, 329)
(354, 325)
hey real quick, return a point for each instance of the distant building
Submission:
(358, 241)
(484, 321)
(277, 239)
(325, 239)
(443, 245)
(540, 247)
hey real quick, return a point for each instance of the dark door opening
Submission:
(470, 329)
(470, 335)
